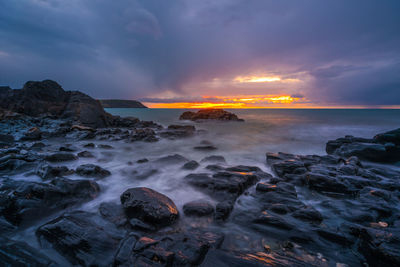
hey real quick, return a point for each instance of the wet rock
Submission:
(32, 134)
(223, 210)
(113, 213)
(60, 156)
(82, 238)
(149, 206)
(91, 170)
(214, 158)
(144, 160)
(289, 166)
(308, 214)
(141, 226)
(178, 249)
(16, 253)
(222, 185)
(273, 220)
(141, 173)
(178, 131)
(6, 140)
(265, 187)
(379, 149)
(24, 202)
(89, 145)
(209, 114)
(67, 148)
(325, 183)
(82, 128)
(145, 135)
(198, 208)
(46, 171)
(37, 146)
(389, 137)
(85, 154)
(191, 165)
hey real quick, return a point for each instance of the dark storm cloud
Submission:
(350, 50)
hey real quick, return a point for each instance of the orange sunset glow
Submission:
(240, 101)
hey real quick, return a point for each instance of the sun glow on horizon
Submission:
(240, 101)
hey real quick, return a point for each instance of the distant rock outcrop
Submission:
(116, 103)
(48, 98)
(209, 114)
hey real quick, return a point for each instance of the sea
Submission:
(297, 131)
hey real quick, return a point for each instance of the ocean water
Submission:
(241, 143)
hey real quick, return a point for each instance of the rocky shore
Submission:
(340, 209)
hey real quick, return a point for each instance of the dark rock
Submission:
(222, 185)
(142, 160)
(389, 137)
(178, 131)
(37, 146)
(6, 140)
(113, 213)
(46, 171)
(273, 220)
(32, 134)
(209, 114)
(16, 253)
(145, 135)
(177, 249)
(60, 156)
(47, 97)
(91, 170)
(149, 206)
(24, 202)
(308, 214)
(85, 154)
(325, 183)
(223, 210)
(205, 148)
(82, 238)
(191, 165)
(89, 145)
(198, 208)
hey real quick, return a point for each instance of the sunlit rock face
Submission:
(149, 206)
(209, 114)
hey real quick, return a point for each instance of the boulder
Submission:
(149, 206)
(209, 114)
(191, 165)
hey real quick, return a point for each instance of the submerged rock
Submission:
(178, 131)
(149, 206)
(209, 114)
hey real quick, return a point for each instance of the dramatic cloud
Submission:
(328, 52)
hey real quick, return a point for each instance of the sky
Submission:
(208, 53)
